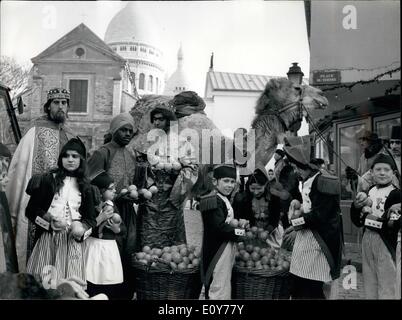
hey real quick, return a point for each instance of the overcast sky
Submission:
(255, 37)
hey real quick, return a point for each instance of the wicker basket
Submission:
(164, 283)
(260, 284)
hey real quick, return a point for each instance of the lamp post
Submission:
(295, 74)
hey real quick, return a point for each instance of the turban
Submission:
(121, 120)
(187, 103)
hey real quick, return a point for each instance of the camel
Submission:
(197, 121)
(279, 113)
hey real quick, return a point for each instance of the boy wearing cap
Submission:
(218, 249)
(379, 239)
(36, 153)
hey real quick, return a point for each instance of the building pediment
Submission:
(65, 48)
(80, 52)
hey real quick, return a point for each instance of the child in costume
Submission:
(260, 207)
(379, 237)
(61, 205)
(104, 269)
(317, 250)
(218, 246)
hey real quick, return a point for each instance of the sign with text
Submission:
(326, 77)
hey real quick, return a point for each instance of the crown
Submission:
(58, 93)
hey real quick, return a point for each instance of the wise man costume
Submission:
(36, 153)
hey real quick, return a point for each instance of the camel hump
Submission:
(329, 184)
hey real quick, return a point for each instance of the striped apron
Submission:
(308, 260)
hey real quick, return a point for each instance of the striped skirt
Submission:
(308, 260)
(57, 256)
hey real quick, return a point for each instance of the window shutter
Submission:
(79, 95)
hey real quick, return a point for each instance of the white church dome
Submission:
(179, 80)
(131, 24)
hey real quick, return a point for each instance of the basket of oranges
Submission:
(260, 272)
(170, 273)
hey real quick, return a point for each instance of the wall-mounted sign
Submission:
(326, 77)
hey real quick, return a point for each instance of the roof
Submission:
(79, 34)
(225, 81)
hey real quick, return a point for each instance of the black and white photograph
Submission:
(195, 151)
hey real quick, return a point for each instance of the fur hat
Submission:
(383, 158)
(75, 144)
(102, 180)
(121, 120)
(225, 171)
(58, 93)
(396, 133)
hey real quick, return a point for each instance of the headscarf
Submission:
(75, 144)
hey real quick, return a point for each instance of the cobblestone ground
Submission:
(349, 286)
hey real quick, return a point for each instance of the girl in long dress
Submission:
(62, 206)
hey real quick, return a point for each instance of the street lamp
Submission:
(295, 74)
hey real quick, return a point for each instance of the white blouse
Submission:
(67, 201)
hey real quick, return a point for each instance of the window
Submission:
(123, 48)
(133, 48)
(325, 149)
(79, 52)
(142, 81)
(78, 95)
(114, 48)
(156, 84)
(151, 51)
(350, 152)
(383, 126)
(143, 49)
(151, 84)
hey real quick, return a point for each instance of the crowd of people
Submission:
(67, 219)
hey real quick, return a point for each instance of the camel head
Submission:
(279, 113)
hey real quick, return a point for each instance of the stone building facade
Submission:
(98, 78)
